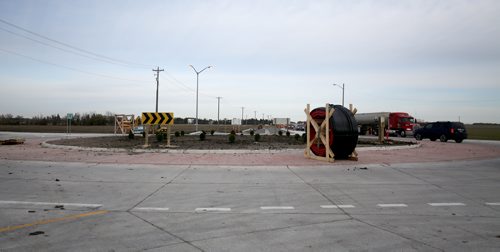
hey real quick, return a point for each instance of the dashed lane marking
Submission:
(49, 203)
(392, 205)
(277, 207)
(492, 203)
(41, 222)
(212, 209)
(336, 206)
(447, 204)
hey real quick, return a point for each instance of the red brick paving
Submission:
(428, 152)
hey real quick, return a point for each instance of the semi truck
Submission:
(396, 123)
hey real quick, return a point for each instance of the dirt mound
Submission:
(188, 142)
(215, 142)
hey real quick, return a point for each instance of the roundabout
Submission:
(434, 196)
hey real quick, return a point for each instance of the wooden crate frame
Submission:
(322, 134)
(124, 123)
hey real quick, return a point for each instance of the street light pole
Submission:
(197, 77)
(242, 109)
(343, 88)
(218, 109)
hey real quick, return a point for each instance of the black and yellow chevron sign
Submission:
(158, 118)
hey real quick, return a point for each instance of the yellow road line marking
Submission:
(41, 222)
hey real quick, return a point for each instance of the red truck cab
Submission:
(401, 123)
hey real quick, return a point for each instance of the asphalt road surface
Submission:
(60, 206)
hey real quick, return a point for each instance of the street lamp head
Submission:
(198, 72)
(335, 84)
(341, 87)
(193, 68)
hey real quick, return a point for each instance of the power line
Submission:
(184, 86)
(71, 68)
(62, 49)
(74, 47)
(187, 89)
(177, 83)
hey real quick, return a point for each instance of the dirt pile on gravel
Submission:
(188, 142)
(216, 142)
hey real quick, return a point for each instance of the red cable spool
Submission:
(319, 114)
(342, 133)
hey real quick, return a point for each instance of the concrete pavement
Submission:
(452, 206)
(439, 197)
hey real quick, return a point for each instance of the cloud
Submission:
(269, 56)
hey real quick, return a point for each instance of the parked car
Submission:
(442, 131)
(138, 130)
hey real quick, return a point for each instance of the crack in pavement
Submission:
(269, 230)
(161, 187)
(361, 221)
(318, 191)
(167, 232)
(397, 234)
(441, 187)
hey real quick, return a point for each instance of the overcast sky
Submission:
(437, 60)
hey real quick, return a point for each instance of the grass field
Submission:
(57, 129)
(483, 132)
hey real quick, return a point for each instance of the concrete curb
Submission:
(234, 151)
(386, 148)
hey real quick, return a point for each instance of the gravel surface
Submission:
(242, 142)
(188, 142)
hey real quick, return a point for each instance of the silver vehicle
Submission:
(138, 130)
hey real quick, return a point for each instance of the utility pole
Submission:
(157, 70)
(242, 109)
(218, 109)
(255, 115)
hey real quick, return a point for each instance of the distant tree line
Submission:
(224, 121)
(486, 124)
(88, 119)
(78, 119)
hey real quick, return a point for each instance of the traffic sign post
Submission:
(69, 118)
(162, 118)
(157, 118)
(146, 136)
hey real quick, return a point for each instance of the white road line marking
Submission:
(212, 209)
(447, 204)
(152, 209)
(49, 203)
(392, 205)
(277, 208)
(492, 203)
(337, 206)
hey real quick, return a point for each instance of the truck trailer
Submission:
(396, 123)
